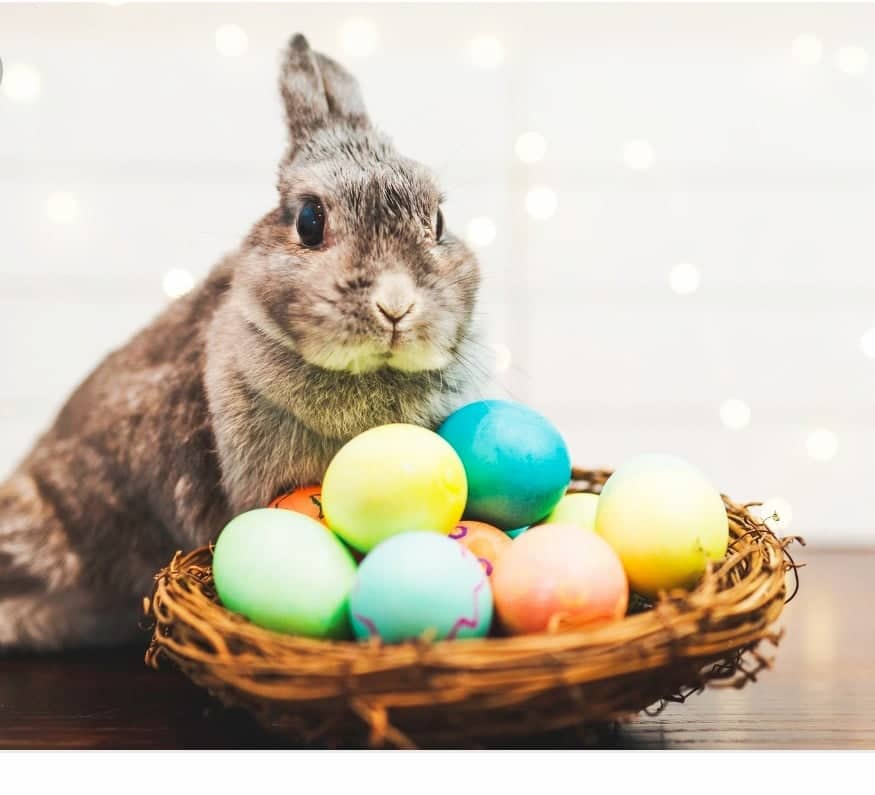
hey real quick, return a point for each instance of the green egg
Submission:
(284, 572)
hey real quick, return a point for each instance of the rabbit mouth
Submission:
(399, 353)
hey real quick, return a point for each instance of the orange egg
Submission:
(483, 540)
(558, 576)
(306, 500)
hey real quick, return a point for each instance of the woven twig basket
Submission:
(456, 693)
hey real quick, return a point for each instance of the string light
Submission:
(486, 52)
(177, 282)
(481, 231)
(21, 82)
(531, 147)
(638, 155)
(807, 49)
(822, 444)
(541, 203)
(503, 357)
(867, 343)
(231, 40)
(359, 37)
(684, 278)
(62, 207)
(852, 60)
(735, 414)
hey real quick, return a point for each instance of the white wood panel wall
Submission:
(762, 176)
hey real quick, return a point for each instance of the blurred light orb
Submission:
(231, 40)
(541, 203)
(735, 414)
(481, 231)
(503, 357)
(486, 51)
(822, 444)
(807, 49)
(776, 513)
(852, 60)
(867, 343)
(359, 37)
(62, 207)
(531, 147)
(684, 278)
(21, 82)
(638, 155)
(177, 282)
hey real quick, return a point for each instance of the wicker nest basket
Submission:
(454, 694)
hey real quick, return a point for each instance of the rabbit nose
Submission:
(394, 297)
(394, 313)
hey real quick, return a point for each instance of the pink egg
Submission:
(558, 575)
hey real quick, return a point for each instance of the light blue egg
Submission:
(518, 532)
(418, 582)
(516, 461)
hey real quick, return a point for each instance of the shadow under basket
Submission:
(480, 692)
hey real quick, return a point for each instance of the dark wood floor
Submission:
(820, 694)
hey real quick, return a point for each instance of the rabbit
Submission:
(349, 305)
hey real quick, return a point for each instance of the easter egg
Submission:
(665, 521)
(576, 509)
(516, 462)
(284, 572)
(558, 575)
(518, 532)
(391, 479)
(306, 500)
(419, 582)
(484, 541)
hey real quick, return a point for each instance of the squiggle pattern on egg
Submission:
(460, 532)
(471, 623)
(368, 623)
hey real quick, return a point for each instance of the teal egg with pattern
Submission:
(417, 584)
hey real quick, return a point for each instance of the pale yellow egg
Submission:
(577, 509)
(664, 520)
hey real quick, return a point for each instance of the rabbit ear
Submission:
(317, 91)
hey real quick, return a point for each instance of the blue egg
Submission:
(518, 532)
(516, 462)
(418, 582)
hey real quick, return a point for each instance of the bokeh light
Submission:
(231, 40)
(359, 37)
(21, 82)
(541, 203)
(486, 52)
(481, 231)
(531, 147)
(177, 282)
(684, 278)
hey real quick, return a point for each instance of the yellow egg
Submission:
(665, 521)
(577, 509)
(393, 479)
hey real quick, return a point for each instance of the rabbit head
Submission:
(354, 270)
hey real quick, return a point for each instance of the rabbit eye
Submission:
(311, 223)
(439, 226)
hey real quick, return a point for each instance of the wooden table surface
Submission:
(820, 693)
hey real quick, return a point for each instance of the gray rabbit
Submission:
(347, 306)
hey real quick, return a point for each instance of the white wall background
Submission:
(130, 146)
